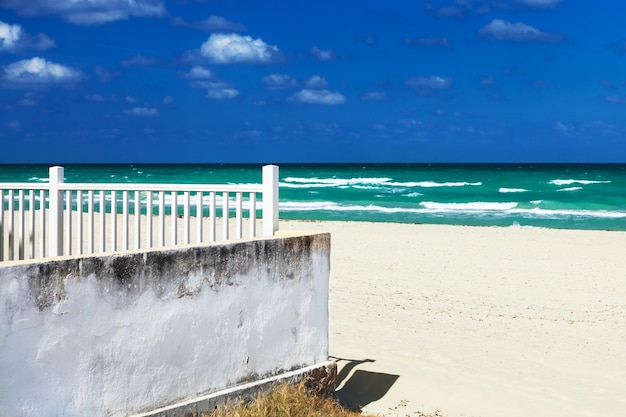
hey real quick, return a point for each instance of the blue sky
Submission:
(136, 81)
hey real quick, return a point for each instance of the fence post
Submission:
(270, 200)
(55, 237)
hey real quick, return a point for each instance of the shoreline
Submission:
(511, 226)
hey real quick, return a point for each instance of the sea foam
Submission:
(299, 182)
(477, 205)
(570, 189)
(574, 181)
(512, 190)
(433, 184)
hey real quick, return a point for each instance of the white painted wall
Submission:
(111, 346)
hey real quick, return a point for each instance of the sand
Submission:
(477, 321)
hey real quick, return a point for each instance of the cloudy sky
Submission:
(341, 81)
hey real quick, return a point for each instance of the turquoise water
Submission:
(553, 196)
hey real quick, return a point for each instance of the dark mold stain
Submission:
(171, 271)
(88, 266)
(124, 269)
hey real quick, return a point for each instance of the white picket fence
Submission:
(58, 218)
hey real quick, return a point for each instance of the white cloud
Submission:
(215, 89)
(143, 111)
(209, 85)
(488, 81)
(199, 73)
(564, 129)
(318, 97)
(615, 99)
(42, 42)
(130, 99)
(27, 101)
(432, 83)
(88, 12)
(14, 38)
(429, 41)
(460, 10)
(104, 74)
(10, 36)
(278, 81)
(138, 60)
(501, 30)
(212, 24)
(233, 48)
(316, 82)
(463, 8)
(95, 98)
(168, 100)
(374, 96)
(540, 3)
(323, 54)
(38, 70)
(222, 93)
(220, 24)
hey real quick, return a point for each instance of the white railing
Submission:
(59, 218)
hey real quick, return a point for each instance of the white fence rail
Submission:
(58, 218)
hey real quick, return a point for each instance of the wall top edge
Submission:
(279, 235)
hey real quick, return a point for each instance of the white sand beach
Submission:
(478, 321)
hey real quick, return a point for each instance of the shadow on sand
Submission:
(362, 387)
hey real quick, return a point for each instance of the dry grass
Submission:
(288, 401)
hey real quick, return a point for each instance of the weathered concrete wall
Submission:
(121, 334)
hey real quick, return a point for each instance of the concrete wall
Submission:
(114, 335)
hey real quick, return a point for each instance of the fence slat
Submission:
(31, 220)
(56, 206)
(79, 222)
(138, 220)
(103, 211)
(20, 225)
(186, 217)
(212, 214)
(11, 225)
(252, 215)
(1, 224)
(149, 219)
(174, 214)
(113, 220)
(68, 222)
(225, 215)
(42, 217)
(90, 210)
(161, 218)
(125, 220)
(199, 213)
(238, 216)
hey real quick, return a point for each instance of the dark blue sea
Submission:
(552, 196)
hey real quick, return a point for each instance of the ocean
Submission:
(563, 196)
